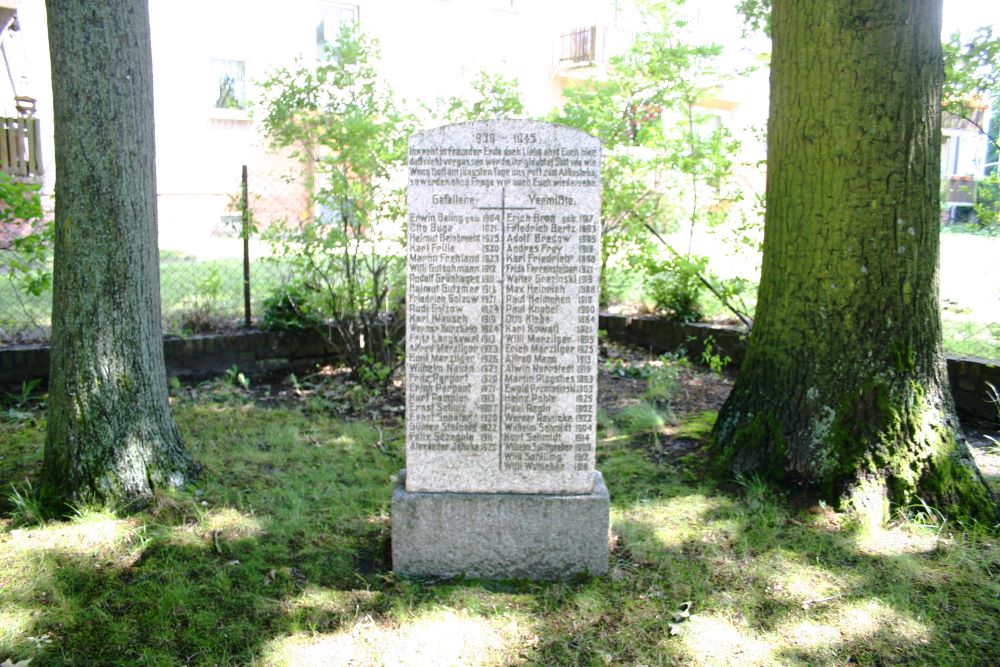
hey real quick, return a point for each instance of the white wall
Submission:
(430, 48)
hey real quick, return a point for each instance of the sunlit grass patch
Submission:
(697, 426)
(864, 619)
(852, 629)
(92, 533)
(715, 639)
(640, 420)
(479, 599)
(907, 538)
(16, 620)
(651, 526)
(436, 637)
(806, 583)
(330, 601)
(230, 524)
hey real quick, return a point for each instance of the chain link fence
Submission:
(972, 338)
(220, 281)
(970, 291)
(216, 267)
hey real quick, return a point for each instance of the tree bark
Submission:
(843, 386)
(111, 438)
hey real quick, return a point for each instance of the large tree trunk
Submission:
(843, 386)
(111, 438)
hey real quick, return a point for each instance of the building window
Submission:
(229, 77)
(331, 18)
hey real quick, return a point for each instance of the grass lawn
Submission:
(278, 555)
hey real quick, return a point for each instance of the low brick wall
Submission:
(196, 357)
(253, 352)
(968, 376)
(660, 336)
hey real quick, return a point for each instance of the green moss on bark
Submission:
(958, 489)
(758, 445)
(902, 440)
(886, 447)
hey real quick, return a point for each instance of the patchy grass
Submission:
(279, 556)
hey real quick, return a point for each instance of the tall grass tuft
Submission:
(639, 420)
(26, 508)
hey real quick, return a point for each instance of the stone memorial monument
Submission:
(501, 355)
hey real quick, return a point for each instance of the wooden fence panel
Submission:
(20, 147)
(34, 147)
(5, 165)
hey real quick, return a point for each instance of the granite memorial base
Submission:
(500, 535)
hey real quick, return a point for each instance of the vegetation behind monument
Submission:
(666, 166)
(350, 133)
(340, 120)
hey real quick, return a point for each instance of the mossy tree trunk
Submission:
(111, 438)
(843, 386)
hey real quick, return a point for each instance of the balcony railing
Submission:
(20, 142)
(959, 190)
(973, 121)
(578, 47)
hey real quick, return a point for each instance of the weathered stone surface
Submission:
(501, 355)
(502, 298)
(500, 535)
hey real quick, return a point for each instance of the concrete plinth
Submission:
(500, 535)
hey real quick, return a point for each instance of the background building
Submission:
(207, 57)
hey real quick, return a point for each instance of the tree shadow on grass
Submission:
(187, 602)
(744, 617)
(795, 594)
(308, 580)
(769, 583)
(181, 600)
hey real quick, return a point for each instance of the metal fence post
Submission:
(245, 209)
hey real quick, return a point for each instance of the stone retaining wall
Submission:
(196, 357)
(267, 352)
(968, 375)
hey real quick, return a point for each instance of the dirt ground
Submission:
(698, 389)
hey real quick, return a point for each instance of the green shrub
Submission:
(290, 308)
(661, 382)
(347, 129)
(27, 261)
(987, 207)
(676, 287)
